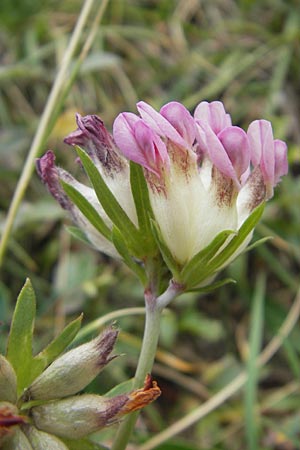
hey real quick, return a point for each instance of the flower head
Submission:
(201, 195)
(204, 179)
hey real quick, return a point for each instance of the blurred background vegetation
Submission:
(245, 53)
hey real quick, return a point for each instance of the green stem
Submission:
(154, 308)
(145, 363)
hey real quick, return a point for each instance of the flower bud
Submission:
(9, 418)
(40, 440)
(99, 144)
(49, 174)
(74, 370)
(92, 135)
(78, 416)
(18, 441)
(8, 381)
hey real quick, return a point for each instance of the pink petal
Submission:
(210, 144)
(213, 114)
(139, 143)
(159, 124)
(153, 149)
(281, 162)
(261, 141)
(180, 118)
(124, 136)
(236, 144)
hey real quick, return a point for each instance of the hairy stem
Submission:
(145, 363)
(154, 308)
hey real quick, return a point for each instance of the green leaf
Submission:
(143, 207)
(171, 263)
(56, 347)
(177, 445)
(77, 233)
(213, 286)
(258, 243)
(122, 388)
(234, 244)
(19, 348)
(122, 249)
(110, 205)
(87, 209)
(82, 444)
(243, 232)
(192, 270)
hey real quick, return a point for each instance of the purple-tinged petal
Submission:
(94, 138)
(254, 135)
(139, 143)
(180, 118)
(91, 135)
(49, 174)
(124, 136)
(236, 144)
(152, 146)
(281, 162)
(213, 114)
(245, 175)
(160, 124)
(210, 144)
(261, 141)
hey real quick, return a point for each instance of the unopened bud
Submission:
(78, 416)
(18, 441)
(74, 370)
(9, 418)
(40, 440)
(8, 381)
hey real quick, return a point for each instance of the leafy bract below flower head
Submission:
(205, 179)
(39, 407)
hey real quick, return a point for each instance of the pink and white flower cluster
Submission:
(204, 175)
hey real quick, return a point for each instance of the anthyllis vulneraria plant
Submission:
(39, 408)
(175, 196)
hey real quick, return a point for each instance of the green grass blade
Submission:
(255, 341)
